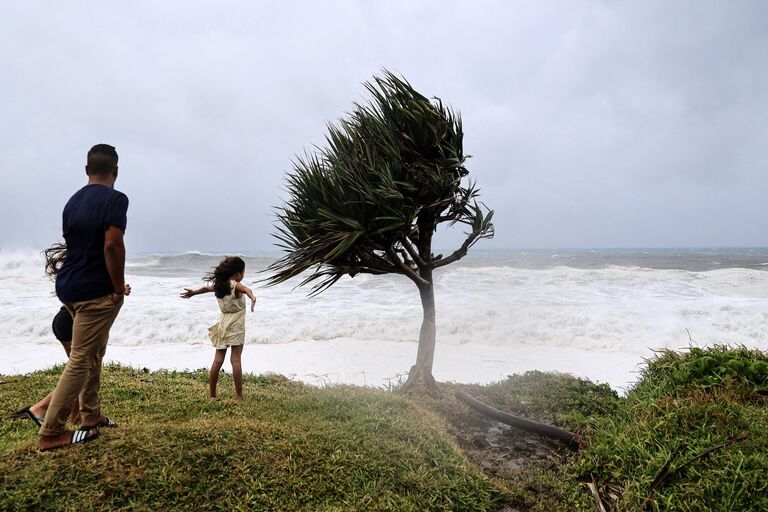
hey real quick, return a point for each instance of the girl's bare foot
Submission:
(38, 411)
(239, 397)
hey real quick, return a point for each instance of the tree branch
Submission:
(667, 475)
(365, 270)
(375, 262)
(458, 253)
(404, 254)
(412, 251)
(408, 271)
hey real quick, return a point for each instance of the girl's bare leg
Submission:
(41, 407)
(218, 360)
(237, 370)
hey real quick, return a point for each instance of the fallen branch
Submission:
(664, 472)
(552, 432)
(666, 475)
(727, 442)
(596, 493)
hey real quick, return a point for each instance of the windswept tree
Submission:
(371, 200)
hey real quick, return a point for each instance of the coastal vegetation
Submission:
(392, 172)
(287, 446)
(691, 434)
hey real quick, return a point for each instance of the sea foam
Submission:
(613, 308)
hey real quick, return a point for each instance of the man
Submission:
(91, 284)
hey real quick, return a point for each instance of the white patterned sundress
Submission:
(230, 330)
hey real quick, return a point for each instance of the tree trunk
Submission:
(421, 372)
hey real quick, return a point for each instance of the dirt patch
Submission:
(533, 468)
(500, 450)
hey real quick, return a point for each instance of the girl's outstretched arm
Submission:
(239, 288)
(188, 292)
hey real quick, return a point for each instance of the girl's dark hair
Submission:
(221, 274)
(54, 258)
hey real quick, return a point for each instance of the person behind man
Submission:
(62, 329)
(91, 284)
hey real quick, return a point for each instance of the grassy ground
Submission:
(691, 435)
(286, 447)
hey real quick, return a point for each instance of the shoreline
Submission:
(349, 361)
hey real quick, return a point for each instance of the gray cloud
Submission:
(592, 124)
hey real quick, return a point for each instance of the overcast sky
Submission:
(591, 123)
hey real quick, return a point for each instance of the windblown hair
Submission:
(222, 273)
(54, 258)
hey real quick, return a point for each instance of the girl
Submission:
(230, 331)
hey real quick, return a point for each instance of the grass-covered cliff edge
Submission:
(691, 435)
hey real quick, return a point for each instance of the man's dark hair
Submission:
(102, 159)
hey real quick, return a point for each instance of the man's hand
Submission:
(117, 297)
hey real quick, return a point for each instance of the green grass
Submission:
(691, 435)
(286, 447)
(684, 405)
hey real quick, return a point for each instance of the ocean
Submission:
(498, 312)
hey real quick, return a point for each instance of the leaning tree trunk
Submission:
(421, 372)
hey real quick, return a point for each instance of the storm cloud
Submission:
(591, 124)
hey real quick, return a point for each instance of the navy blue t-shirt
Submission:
(87, 215)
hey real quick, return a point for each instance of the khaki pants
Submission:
(92, 320)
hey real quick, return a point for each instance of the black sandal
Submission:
(21, 414)
(25, 412)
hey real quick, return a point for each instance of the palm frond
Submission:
(388, 163)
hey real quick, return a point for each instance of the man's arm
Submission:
(114, 255)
